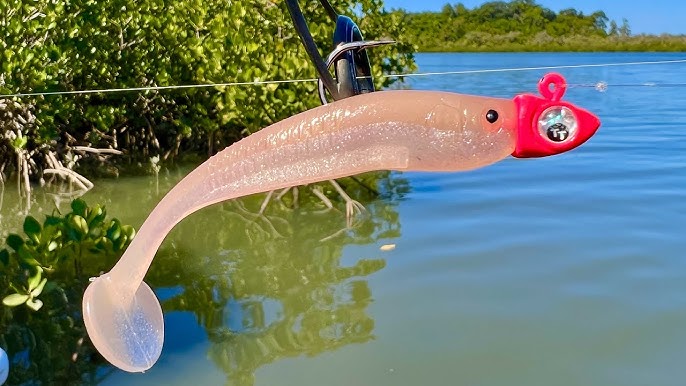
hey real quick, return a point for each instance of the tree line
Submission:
(48, 46)
(524, 25)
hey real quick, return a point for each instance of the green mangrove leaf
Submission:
(26, 257)
(114, 231)
(15, 300)
(95, 216)
(79, 207)
(119, 243)
(129, 231)
(52, 246)
(34, 304)
(31, 226)
(35, 280)
(37, 291)
(15, 241)
(78, 224)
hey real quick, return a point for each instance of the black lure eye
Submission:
(492, 116)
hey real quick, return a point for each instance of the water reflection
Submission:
(262, 286)
(270, 287)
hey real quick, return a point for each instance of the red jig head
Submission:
(548, 126)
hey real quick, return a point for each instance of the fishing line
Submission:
(514, 69)
(157, 88)
(600, 86)
(603, 86)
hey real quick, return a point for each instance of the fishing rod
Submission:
(353, 72)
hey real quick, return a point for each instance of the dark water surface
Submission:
(568, 270)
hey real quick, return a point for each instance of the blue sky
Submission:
(653, 17)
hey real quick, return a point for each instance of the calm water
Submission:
(562, 271)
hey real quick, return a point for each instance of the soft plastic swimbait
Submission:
(389, 130)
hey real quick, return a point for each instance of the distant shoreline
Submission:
(525, 26)
(577, 43)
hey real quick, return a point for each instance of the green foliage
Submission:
(53, 260)
(51, 45)
(57, 245)
(523, 25)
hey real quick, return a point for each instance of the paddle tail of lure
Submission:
(389, 130)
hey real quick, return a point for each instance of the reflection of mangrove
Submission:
(49, 348)
(264, 287)
(273, 286)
